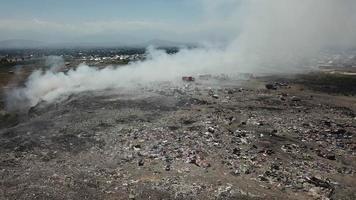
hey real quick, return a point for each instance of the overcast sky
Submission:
(119, 20)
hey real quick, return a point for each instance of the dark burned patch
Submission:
(329, 83)
(103, 125)
(346, 111)
(9, 163)
(146, 191)
(269, 108)
(86, 186)
(188, 121)
(44, 107)
(195, 128)
(149, 189)
(191, 101)
(19, 144)
(41, 125)
(93, 102)
(33, 192)
(146, 104)
(274, 141)
(173, 127)
(138, 118)
(73, 143)
(9, 134)
(8, 119)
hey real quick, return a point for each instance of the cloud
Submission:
(168, 30)
(219, 21)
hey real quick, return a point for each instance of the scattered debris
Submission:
(188, 78)
(318, 182)
(271, 87)
(211, 129)
(294, 98)
(215, 96)
(205, 76)
(175, 141)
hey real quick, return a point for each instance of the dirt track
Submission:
(225, 140)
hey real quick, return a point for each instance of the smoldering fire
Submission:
(276, 35)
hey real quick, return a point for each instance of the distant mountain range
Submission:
(32, 44)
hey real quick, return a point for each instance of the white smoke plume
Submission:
(274, 35)
(55, 63)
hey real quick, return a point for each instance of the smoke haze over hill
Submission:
(274, 36)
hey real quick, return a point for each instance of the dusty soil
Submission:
(196, 140)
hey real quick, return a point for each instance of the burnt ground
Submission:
(188, 141)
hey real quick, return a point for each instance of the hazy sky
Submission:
(118, 20)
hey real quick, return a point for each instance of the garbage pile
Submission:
(184, 141)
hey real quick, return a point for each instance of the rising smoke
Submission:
(273, 36)
(54, 63)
